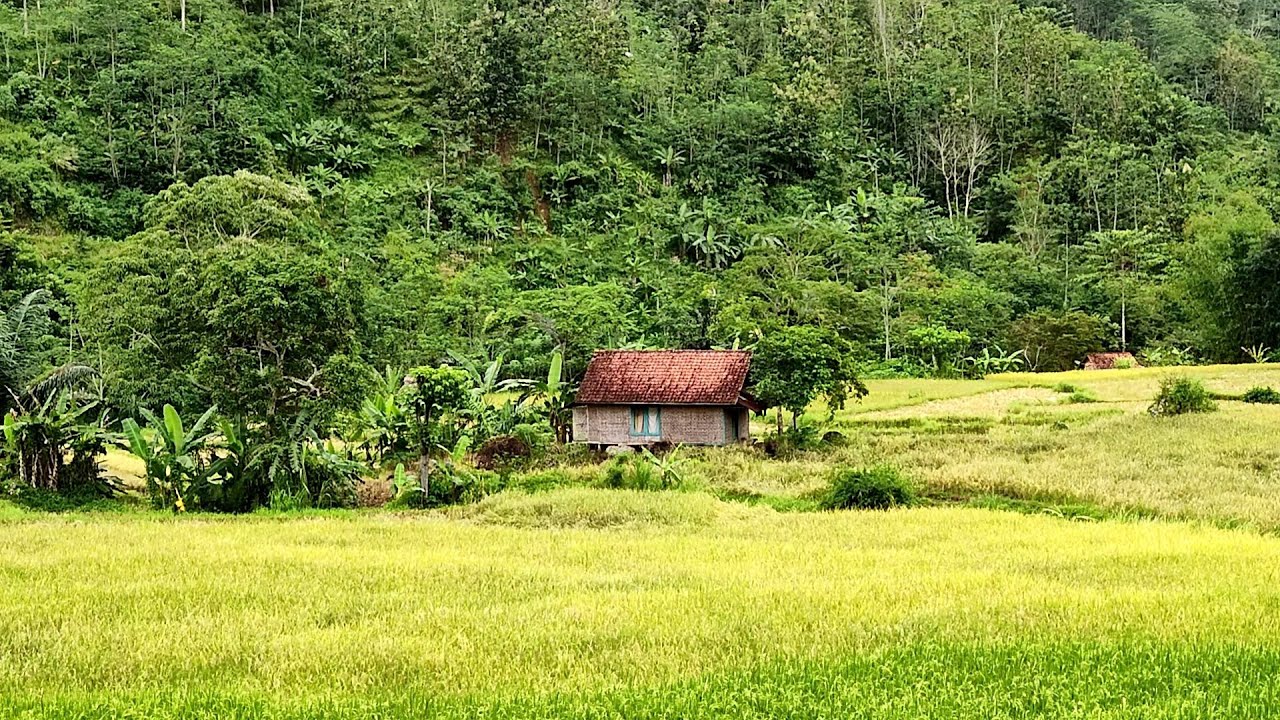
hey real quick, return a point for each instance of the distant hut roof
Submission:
(667, 377)
(1108, 360)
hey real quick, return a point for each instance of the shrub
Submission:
(455, 486)
(78, 499)
(615, 474)
(1262, 395)
(938, 348)
(332, 481)
(538, 437)
(1166, 356)
(878, 488)
(572, 455)
(899, 367)
(1180, 395)
(1081, 397)
(632, 472)
(645, 471)
(406, 491)
(450, 485)
(804, 436)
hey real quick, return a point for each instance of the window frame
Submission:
(646, 412)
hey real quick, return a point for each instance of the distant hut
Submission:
(645, 397)
(1109, 360)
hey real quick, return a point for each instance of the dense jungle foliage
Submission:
(260, 204)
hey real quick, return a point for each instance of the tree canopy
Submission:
(255, 203)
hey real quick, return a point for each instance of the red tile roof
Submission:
(665, 377)
(1108, 360)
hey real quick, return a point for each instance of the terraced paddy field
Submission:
(1058, 439)
(1072, 560)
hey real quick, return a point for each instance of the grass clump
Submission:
(1261, 395)
(877, 488)
(1180, 395)
(1066, 388)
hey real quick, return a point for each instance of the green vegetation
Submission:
(1261, 395)
(291, 257)
(277, 208)
(1052, 569)
(1179, 395)
(795, 366)
(878, 488)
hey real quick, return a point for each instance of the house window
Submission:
(646, 421)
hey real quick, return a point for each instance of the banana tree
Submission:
(380, 427)
(488, 419)
(173, 455)
(556, 395)
(39, 437)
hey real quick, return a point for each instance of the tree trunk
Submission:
(1066, 274)
(886, 305)
(424, 457)
(39, 466)
(424, 472)
(184, 15)
(1124, 320)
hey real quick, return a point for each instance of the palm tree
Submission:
(42, 418)
(21, 328)
(18, 332)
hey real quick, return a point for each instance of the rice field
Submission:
(716, 611)
(580, 602)
(1021, 436)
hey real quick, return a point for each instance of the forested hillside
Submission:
(231, 200)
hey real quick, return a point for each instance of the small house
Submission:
(1110, 360)
(643, 397)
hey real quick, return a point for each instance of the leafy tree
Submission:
(1120, 262)
(435, 395)
(273, 330)
(1227, 281)
(1053, 341)
(227, 300)
(252, 204)
(795, 366)
(940, 348)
